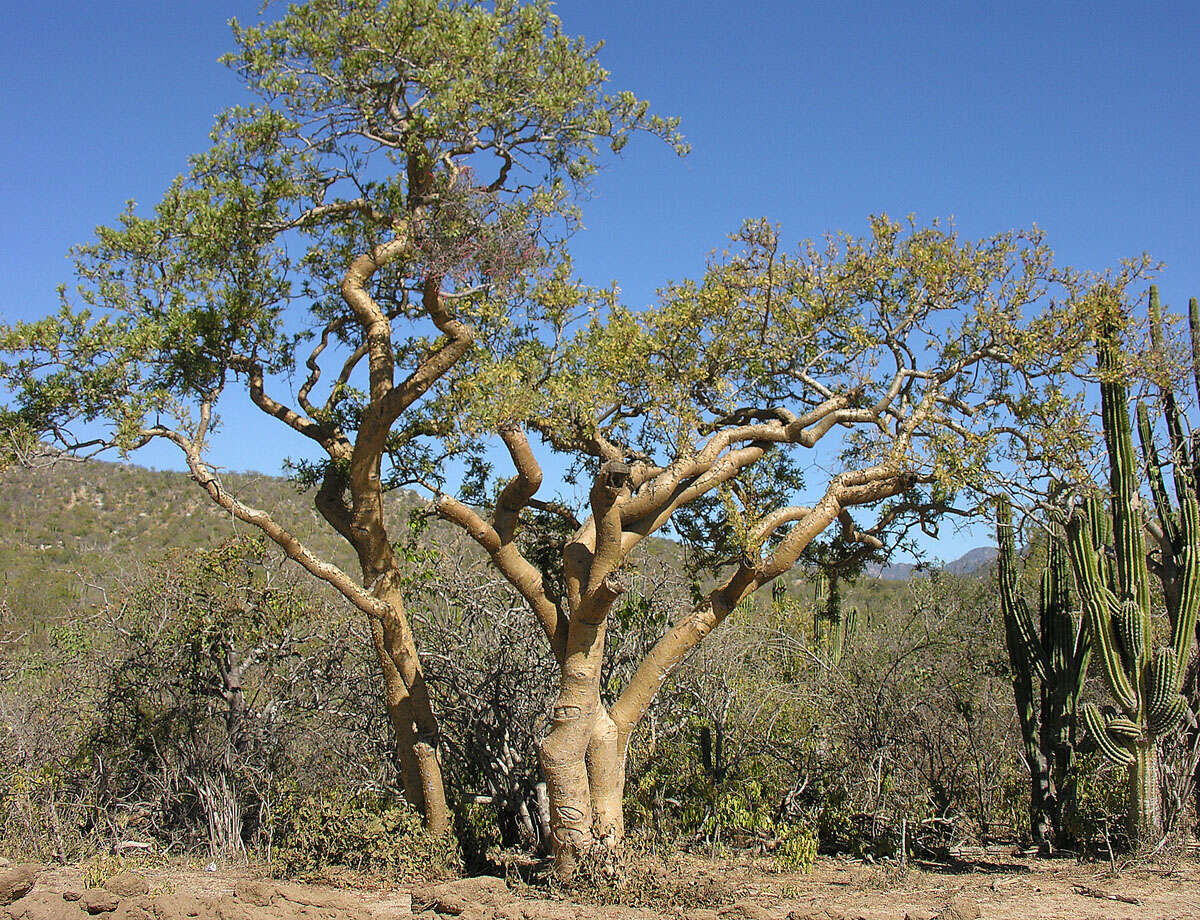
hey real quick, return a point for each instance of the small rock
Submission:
(44, 905)
(919, 914)
(98, 900)
(132, 909)
(746, 910)
(16, 882)
(260, 894)
(181, 907)
(127, 885)
(455, 897)
(398, 906)
(318, 897)
(960, 908)
(70, 895)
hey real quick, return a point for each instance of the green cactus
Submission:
(1169, 556)
(833, 628)
(1049, 664)
(1144, 682)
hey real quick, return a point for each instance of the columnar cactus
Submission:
(1170, 545)
(833, 628)
(1049, 664)
(1143, 679)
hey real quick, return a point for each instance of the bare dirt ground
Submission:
(684, 888)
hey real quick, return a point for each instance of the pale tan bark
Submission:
(574, 722)
(400, 716)
(361, 521)
(583, 756)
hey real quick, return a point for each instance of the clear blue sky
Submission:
(1083, 117)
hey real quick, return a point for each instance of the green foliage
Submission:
(1100, 818)
(478, 834)
(748, 339)
(674, 797)
(451, 134)
(314, 833)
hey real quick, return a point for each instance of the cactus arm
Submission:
(1031, 646)
(1100, 534)
(1051, 641)
(1025, 649)
(1129, 542)
(1129, 629)
(1022, 683)
(1097, 728)
(1122, 730)
(1058, 588)
(1194, 329)
(1166, 721)
(1098, 606)
(1081, 655)
(1164, 680)
(1158, 488)
(1170, 406)
(1183, 626)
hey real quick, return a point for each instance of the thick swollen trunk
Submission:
(583, 759)
(583, 762)
(1145, 797)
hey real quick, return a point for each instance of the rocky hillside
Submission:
(70, 532)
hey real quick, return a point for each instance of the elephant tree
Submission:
(908, 347)
(346, 240)
(1143, 677)
(1049, 665)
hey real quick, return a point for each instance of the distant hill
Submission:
(968, 563)
(71, 533)
(973, 561)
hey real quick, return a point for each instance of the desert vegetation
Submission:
(557, 580)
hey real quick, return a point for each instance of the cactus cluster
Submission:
(1110, 564)
(1049, 664)
(833, 628)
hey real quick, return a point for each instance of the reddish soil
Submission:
(685, 888)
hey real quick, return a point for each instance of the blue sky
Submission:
(1081, 117)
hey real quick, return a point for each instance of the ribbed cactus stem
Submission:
(1158, 489)
(1183, 626)
(1194, 328)
(1128, 539)
(1097, 727)
(1099, 606)
(1047, 674)
(1145, 681)
(1027, 653)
